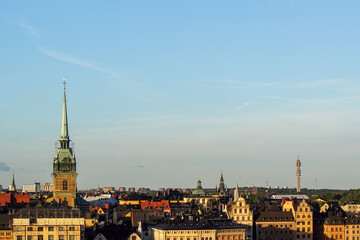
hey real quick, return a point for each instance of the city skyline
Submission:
(164, 95)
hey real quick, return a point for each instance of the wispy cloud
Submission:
(4, 167)
(29, 29)
(32, 31)
(236, 84)
(299, 100)
(76, 61)
(316, 84)
(273, 97)
(244, 105)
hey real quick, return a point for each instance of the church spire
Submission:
(13, 186)
(236, 193)
(64, 137)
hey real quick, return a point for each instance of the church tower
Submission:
(222, 188)
(298, 174)
(64, 166)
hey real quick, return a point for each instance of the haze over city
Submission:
(161, 95)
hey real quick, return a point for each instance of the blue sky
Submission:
(161, 94)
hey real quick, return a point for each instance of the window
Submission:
(51, 237)
(65, 186)
(51, 229)
(29, 228)
(72, 237)
(132, 238)
(29, 237)
(40, 229)
(61, 237)
(71, 228)
(18, 237)
(40, 237)
(61, 228)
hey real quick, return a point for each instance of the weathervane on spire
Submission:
(64, 82)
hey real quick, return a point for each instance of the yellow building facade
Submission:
(193, 232)
(241, 213)
(129, 202)
(304, 221)
(275, 225)
(203, 200)
(334, 229)
(48, 229)
(5, 234)
(351, 208)
(303, 215)
(352, 228)
(48, 224)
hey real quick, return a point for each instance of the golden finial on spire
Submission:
(64, 82)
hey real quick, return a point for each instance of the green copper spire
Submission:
(64, 159)
(64, 137)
